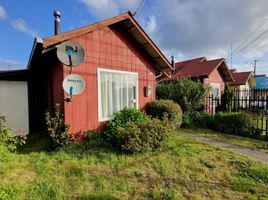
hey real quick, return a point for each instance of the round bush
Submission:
(157, 109)
(121, 120)
(144, 137)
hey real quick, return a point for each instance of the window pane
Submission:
(117, 90)
(214, 90)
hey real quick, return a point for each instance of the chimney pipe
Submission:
(173, 64)
(57, 22)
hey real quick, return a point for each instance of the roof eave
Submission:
(53, 40)
(36, 50)
(227, 69)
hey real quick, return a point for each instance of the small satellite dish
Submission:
(73, 84)
(70, 53)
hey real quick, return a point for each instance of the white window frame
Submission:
(99, 70)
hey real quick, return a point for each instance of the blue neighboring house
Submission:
(261, 82)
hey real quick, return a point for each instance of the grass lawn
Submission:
(233, 139)
(185, 169)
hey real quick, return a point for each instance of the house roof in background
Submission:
(260, 75)
(128, 25)
(15, 75)
(261, 82)
(241, 78)
(201, 67)
(232, 70)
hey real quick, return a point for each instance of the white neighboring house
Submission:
(242, 85)
(14, 102)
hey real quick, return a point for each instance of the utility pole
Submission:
(255, 65)
(231, 54)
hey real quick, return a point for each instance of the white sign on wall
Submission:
(73, 84)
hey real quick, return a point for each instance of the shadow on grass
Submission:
(35, 142)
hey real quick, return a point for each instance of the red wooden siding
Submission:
(111, 49)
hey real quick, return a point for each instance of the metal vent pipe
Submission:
(57, 22)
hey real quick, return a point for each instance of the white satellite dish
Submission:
(73, 84)
(70, 53)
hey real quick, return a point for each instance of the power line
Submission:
(237, 49)
(251, 42)
(142, 1)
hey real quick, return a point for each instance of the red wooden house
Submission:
(213, 73)
(119, 69)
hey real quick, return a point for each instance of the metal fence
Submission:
(254, 102)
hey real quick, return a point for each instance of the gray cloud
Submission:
(207, 27)
(194, 28)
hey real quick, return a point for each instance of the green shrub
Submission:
(162, 91)
(121, 119)
(94, 138)
(7, 140)
(57, 128)
(203, 120)
(157, 109)
(187, 121)
(199, 120)
(189, 94)
(226, 99)
(234, 123)
(145, 136)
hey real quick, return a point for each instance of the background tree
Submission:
(189, 94)
(226, 99)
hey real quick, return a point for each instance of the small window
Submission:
(215, 90)
(116, 90)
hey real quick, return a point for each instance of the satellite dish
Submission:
(70, 53)
(73, 84)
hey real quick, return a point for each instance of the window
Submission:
(215, 90)
(116, 90)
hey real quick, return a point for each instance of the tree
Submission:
(189, 94)
(226, 99)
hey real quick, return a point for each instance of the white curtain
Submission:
(117, 90)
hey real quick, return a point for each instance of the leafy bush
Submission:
(94, 138)
(203, 120)
(189, 94)
(162, 91)
(145, 136)
(77, 137)
(57, 128)
(226, 100)
(187, 121)
(157, 109)
(199, 120)
(234, 123)
(121, 119)
(133, 131)
(7, 140)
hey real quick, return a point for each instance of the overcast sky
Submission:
(183, 28)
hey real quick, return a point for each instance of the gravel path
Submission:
(255, 155)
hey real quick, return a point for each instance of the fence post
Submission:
(234, 104)
(266, 127)
(266, 102)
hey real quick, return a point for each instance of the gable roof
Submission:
(241, 78)
(201, 67)
(128, 24)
